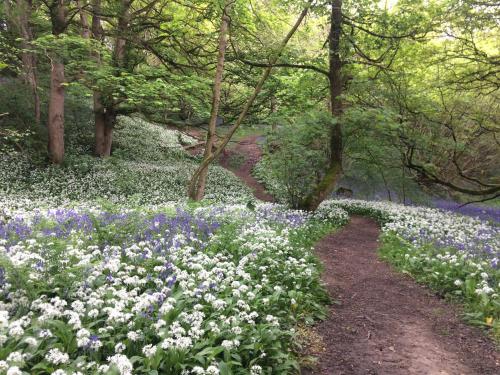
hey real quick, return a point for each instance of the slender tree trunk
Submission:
(99, 109)
(119, 53)
(55, 125)
(267, 71)
(199, 190)
(386, 185)
(24, 9)
(327, 184)
(83, 21)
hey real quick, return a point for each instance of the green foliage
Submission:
(18, 131)
(8, 55)
(450, 274)
(148, 166)
(296, 156)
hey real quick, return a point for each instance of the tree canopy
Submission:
(399, 91)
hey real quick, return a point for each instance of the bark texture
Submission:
(327, 184)
(101, 148)
(83, 21)
(55, 125)
(30, 76)
(197, 190)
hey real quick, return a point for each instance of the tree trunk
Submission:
(100, 124)
(327, 184)
(55, 125)
(267, 71)
(109, 124)
(198, 189)
(106, 114)
(83, 21)
(101, 148)
(28, 58)
(119, 53)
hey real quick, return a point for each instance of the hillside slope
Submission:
(148, 166)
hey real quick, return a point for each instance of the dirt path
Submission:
(249, 152)
(384, 323)
(239, 158)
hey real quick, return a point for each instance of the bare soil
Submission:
(240, 158)
(250, 152)
(384, 323)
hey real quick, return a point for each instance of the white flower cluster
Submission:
(450, 244)
(156, 142)
(149, 166)
(85, 291)
(329, 211)
(423, 225)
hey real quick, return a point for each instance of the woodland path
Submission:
(239, 158)
(384, 323)
(249, 151)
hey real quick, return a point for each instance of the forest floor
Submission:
(240, 159)
(382, 322)
(385, 323)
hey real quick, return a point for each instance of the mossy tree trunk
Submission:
(327, 184)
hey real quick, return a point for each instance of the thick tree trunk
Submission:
(197, 190)
(327, 184)
(105, 115)
(24, 8)
(55, 125)
(104, 124)
(109, 124)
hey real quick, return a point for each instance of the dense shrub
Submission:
(296, 156)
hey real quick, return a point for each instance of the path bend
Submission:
(385, 323)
